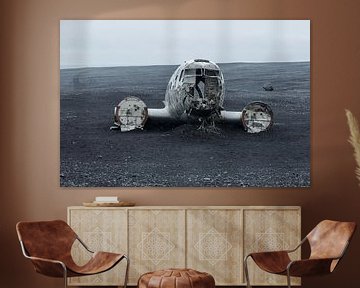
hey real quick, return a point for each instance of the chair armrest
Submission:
(84, 245)
(268, 253)
(45, 260)
(298, 246)
(280, 251)
(48, 267)
(309, 267)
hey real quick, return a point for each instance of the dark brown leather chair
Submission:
(48, 245)
(328, 242)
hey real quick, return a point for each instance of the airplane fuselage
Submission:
(196, 90)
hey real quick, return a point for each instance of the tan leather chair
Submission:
(328, 242)
(48, 245)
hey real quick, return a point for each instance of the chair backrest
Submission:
(46, 239)
(329, 239)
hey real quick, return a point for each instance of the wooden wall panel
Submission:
(156, 240)
(100, 230)
(270, 230)
(214, 241)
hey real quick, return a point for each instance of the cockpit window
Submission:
(192, 72)
(199, 72)
(211, 72)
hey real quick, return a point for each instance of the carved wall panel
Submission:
(267, 230)
(214, 241)
(156, 240)
(100, 230)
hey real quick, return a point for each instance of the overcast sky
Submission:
(101, 43)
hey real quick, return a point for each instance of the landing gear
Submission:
(207, 125)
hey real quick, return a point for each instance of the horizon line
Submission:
(218, 63)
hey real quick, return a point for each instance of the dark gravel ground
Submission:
(93, 156)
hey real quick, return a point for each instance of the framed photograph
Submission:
(185, 103)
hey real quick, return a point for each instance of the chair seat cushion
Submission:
(176, 278)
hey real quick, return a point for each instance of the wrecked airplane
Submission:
(195, 93)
